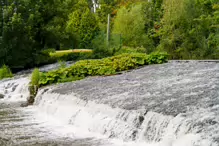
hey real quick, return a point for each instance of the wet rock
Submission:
(24, 104)
(112, 135)
(141, 119)
(45, 90)
(6, 91)
(2, 96)
(14, 88)
(33, 92)
(134, 134)
(31, 100)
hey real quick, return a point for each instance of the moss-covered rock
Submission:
(33, 89)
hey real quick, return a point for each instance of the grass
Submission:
(67, 52)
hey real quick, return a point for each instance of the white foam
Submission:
(104, 122)
(68, 115)
(15, 89)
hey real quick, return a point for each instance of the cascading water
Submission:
(15, 90)
(173, 104)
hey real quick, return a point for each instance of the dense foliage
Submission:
(106, 66)
(189, 28)
(186, 29)
(130, 23)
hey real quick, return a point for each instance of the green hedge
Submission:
(106, 66)
(126, 49)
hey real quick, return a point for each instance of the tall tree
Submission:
(186, 28)
(29, 26)
(83, 23)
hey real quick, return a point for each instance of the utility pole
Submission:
(108, 30)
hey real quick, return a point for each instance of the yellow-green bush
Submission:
(34, 85)
(5, 72)
(35, 77)
(106, 66)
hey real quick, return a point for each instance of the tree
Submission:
(186, 28)
(83, 23)
(29, 27)
(17, 39)
(213, 39)
(131, 24)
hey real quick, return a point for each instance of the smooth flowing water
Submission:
(173, 104)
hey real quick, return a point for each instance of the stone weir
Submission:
(172, 104)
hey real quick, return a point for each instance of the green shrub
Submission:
(48, 51)
(5, 72)
(34, 85)
(157, 58)
(44, 58)
(35, 77)
(70, 79)
(103, 48)
(106, 66)
(73, 56)
(126, 49)
(130, 23)
(62, 64)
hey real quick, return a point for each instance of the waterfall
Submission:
(15, 89)
(129, 125)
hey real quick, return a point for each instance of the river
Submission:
(173, 104)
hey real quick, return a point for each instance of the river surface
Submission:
(173, 104)
(20, 128)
